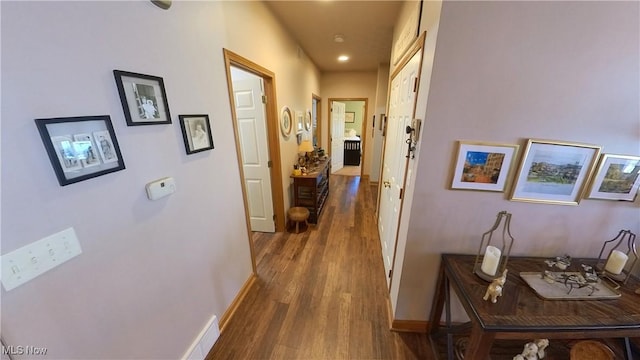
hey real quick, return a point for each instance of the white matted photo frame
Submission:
(143, 98)
(617, 178)
(80, 148)
(483, 165)
(299, 122)
(554, 172)
(196, 132)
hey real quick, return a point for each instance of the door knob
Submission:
(386, 184)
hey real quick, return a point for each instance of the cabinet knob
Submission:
(386, 184)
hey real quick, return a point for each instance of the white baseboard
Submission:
(204, 341)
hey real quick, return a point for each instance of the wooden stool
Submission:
(297, 215)
(591, 350)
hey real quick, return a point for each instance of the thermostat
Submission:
(160, 188)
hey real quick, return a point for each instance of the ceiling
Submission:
(367, 27)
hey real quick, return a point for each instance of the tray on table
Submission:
(559, 290)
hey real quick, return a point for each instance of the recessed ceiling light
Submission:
(343, 58)
(338, 38)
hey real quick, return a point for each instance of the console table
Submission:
(521, 314)
(311, 190)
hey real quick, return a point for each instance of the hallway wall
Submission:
(151, 273)
(563, 71)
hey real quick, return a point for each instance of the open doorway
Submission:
(348, 141)
(251, 88)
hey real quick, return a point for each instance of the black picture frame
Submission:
(196, 132)
(80, 148)
(143, 98)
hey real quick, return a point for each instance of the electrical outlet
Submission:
(30, 261)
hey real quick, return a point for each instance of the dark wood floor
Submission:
(321, 294)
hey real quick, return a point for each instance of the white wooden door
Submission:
(254, 148)
(337, 135)
(401, 107)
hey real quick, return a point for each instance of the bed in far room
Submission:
(351, 148)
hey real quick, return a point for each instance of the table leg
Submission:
(438, 302)
(447, 304)
(627, 347)
(479, 344)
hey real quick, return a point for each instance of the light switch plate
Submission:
(32, 260)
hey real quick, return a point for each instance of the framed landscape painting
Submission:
(617, 178)
(554, 172)
(483, 166)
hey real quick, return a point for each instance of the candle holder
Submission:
(617, 256)
(492, 260)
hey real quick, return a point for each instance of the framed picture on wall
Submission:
(554, 172)
(307, 120)
(617, 178)
(299, 122)
(286, 121)
(80, 148)
(196, 132)
(143, 98)
(483, 165)
(349, 117)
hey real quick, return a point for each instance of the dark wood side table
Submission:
(311, 190)
(521, 314)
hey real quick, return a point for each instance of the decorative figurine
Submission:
(494, 290)
(561, 262)
(542, 344)
(533, 350)
(530, 352)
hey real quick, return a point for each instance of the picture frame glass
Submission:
(554, 172)
(483, 166)
(80, 148)
(617, 178)
(143, 98)
(196, 131)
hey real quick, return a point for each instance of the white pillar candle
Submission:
(491, 260)
(616, 262)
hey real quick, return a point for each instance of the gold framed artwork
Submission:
(617, 178)
(554, 172)
(483, 165)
